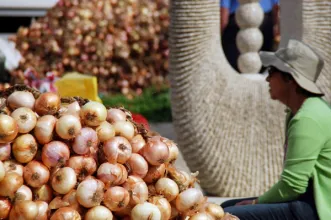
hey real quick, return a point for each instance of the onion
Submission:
(86, 141)
(25, 148)
(202, 216)
(66, 213)
(117, 149)
(124, 129)
(137, 188)
(73, 108)
(146, 211)
(183, 179)
(25, 118)
(174, 212)
(90, 193)
(137, 165)
(163, 205)
(68, 127)
(116, 198)
(48, 103)
(36, 174)
(151, 190)
(23, 193)
(2, 171)
(71, 200)
(55, 153)
(154, 173)
(8, 129)
(155, 152)
(12, 166)
(137, 143)
(98, 213)
(57, 203)
(168, 188)
(105, 131)
(44, 129)
(112, 174)
(21, 99)
(83, 166)
(214, 210)
(42, 210)
(93, 113)
(43, 193)
(5, 207)
(24, 209)
(64, 180)
(173, 151)
(5, 150)
(189, 201)
(10, 184)
(114, 115)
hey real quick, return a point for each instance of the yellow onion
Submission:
(71, 200)
(25, 148)
(117, 150)
(2, 171)
(24, 209)
(66, 213)
(168, 188)
(105, 131)
(112, 174)
(64, 180)
(10, 184)
(138, 189)
(155, 152)
(137, 165)
(5, 207)
(137, 143)
(146, 210)
(8, 129)
(93, 113)
(98, 213)
(90, 193)
(11, 166)
(202, 216)
(23, 193)
(124, 129)
(114, 115)
(5, 150)
(116, 198)
(68, 127)
(43, 193)
(47, 104)
(163, 205)
(154, 173)
(189, 201)
(21, 99)
(55, 153)
(42, 210)
(83, 166)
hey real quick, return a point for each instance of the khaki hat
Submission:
(299, 60)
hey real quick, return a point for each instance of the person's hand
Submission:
(245, 202)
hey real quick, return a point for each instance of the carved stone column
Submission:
(249, 40)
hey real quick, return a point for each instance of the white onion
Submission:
(214, 210)
(98, 213)
(64, 180)
(36, 174)
(105, 131)
(25, 148)
(25, 118)
(168, 188)
(5, 150)
(73, 108)
(8, 129)
(124, 129)
(189, 201)
(12, 166)
(24, 209)
(154, 173)
(146, 211)
(93, 113)
(90, 193)
(155, 152)
(2, 171)
(21, 99)
(137, 165)
(86, 141)
(5, 207)
(114, 115)
(68, 127)
(55, 153)
(44, 129)
(71, 200)
(23, 193)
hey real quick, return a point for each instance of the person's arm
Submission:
(305, 141)
(275, 17)
(225, 13)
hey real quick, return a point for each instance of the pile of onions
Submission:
(62, 161)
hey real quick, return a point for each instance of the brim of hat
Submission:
(270, 59)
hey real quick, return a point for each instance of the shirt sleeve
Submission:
(225, 3)
(275, 2)
(305, 142)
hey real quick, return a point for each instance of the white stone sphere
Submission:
(249, 62)
(249, 40)
(249, 15)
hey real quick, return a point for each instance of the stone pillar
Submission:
(249, 40)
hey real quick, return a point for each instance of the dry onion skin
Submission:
(47, 104)
(8, 129)
(66, 213)
(21, 99)
(25, 118)
(93, 113)
(98, 213)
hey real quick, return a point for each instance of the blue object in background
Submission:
(234, 4)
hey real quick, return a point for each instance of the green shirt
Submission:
(308, 156)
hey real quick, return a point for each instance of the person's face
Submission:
(278, 86)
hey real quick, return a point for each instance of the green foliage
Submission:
(153, 104)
